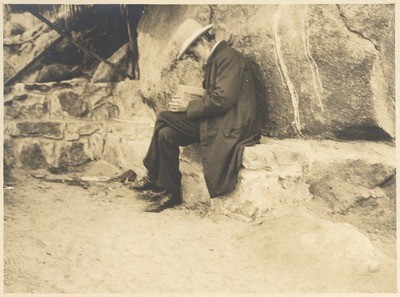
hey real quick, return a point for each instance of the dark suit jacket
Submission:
(227, 115)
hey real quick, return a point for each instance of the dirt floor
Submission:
(70, 239)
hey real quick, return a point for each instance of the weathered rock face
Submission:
(325, 71)
(159, 74)
(58, 72)
(105, 73)
(20, 49)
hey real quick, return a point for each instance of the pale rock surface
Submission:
(336, 254)
(323, 71)
(128, 136)
(159, 73)
(126, 145)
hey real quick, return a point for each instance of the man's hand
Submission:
(177, 104)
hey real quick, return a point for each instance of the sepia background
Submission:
(315, 207)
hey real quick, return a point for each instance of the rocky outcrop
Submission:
(324, 71)
(159, 74)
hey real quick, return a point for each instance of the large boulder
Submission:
(325, 71)
(159, 73)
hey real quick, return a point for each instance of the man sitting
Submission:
(223, 121)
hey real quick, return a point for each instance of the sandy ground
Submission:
(68, 239)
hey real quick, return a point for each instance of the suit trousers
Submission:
(172, 130)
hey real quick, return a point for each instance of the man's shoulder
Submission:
(224, 51)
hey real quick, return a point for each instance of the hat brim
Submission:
(196, 34)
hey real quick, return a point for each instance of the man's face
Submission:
(198, 51)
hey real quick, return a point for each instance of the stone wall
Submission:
(69, 124)
(322, 71)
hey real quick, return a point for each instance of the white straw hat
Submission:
(187, 33)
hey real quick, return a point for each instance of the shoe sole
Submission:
(160, 208)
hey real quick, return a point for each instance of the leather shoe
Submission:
(146, 184)
(151, 196)
(168, 201)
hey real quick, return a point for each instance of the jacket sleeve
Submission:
(224, 94)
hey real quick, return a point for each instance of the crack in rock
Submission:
(283, 71)
(345, 21)
(211, 14)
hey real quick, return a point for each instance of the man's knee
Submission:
(164, 115)
(166, 134)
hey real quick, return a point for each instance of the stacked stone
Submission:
(66, 124)
(278, 174)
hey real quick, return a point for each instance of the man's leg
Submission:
(180, 123)
(169, 140)
(172, 130)
(169, 176)
(181, 132)
(151, 162)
